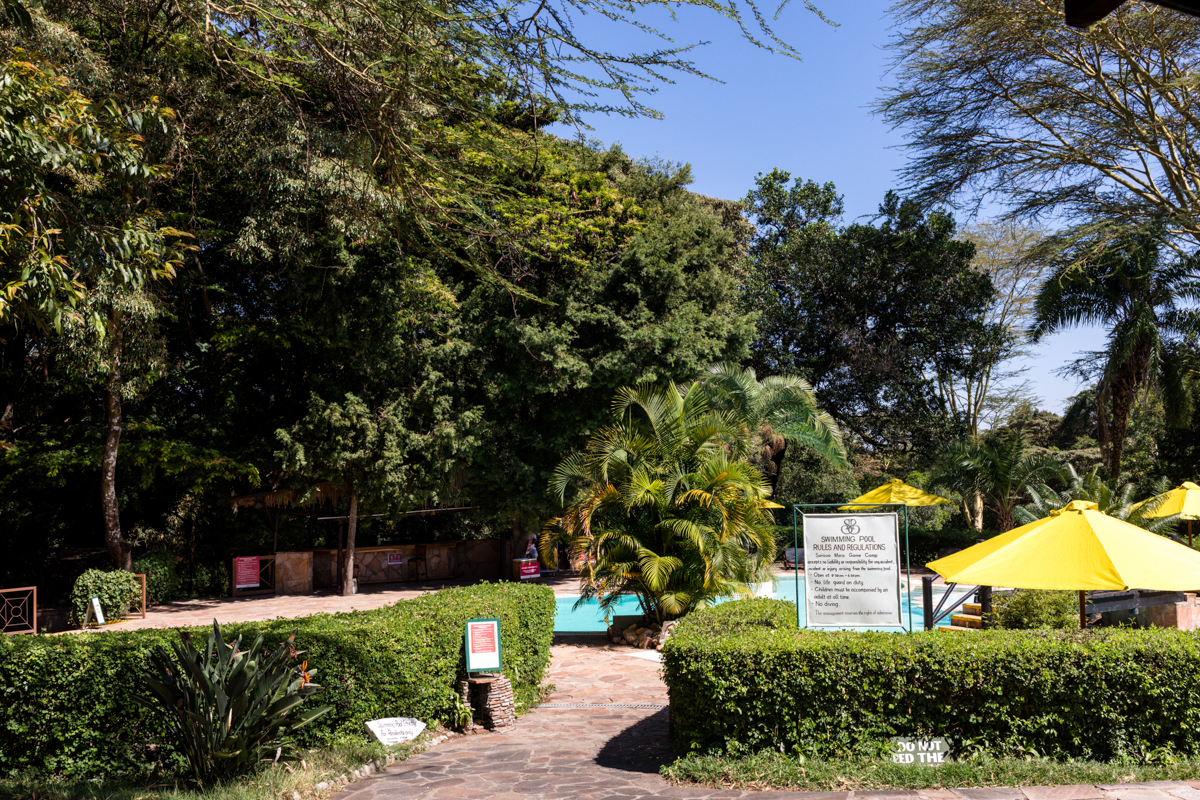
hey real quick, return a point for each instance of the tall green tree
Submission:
(1141, 298)
(874, 316)
(1005, 103)
(779, 410)
(664, 506)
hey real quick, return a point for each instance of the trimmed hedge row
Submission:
(742, 677)
(66, 708)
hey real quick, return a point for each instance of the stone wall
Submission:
(294, 573)
(473, 560)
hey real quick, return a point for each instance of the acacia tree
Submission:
(1004, 102)
(987, 392)
(1141, 298)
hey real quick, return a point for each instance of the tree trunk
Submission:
(973, 511)
(1122, 403)
(351, 532)
(118, 547)
(777, 457)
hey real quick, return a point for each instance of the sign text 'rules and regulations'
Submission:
(852, 570)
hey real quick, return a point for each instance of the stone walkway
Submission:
(590, 740)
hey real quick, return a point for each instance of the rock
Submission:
(643, 641)
(296, 796)
(322, 786)
(630, 637)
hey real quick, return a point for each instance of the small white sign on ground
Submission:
(930, 752)
(852, 570)
(396, 730)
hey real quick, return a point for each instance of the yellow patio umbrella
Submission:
(1183, 500)
(1077, 548)
(895, 492)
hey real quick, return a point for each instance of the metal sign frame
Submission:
(796, 544)
(499, 667)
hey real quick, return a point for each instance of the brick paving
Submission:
(581, 744)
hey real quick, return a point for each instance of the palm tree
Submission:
(999, 472)
(1111, 499)
(667, 508)
(778, 411)
(1131, 290)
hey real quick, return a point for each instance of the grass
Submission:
(775, 771)
(271, 783)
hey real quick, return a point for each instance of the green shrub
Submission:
(1031, 609)
(1060, 694)
(228, 710)
(65, 701)
(162, 576)
(117, 590)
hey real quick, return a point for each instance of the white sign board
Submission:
(395, 730)
(483, 645)
(852, 570)
(930, 752)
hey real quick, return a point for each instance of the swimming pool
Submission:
(588, 617)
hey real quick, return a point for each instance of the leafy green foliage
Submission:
(1061, 694)
(1001, 472)
(667, 509)
(229, 709)
(163, 583)
(117, 590)
(1142, 298)
(67, 709)
(872, 315)
(60, 154)
(1033, 609)
(1116, 501)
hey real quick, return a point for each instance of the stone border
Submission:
(374, 767)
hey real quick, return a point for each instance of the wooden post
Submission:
(1082, 610)
(985, 604)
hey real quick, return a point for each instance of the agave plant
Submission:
(230, 709)
(1111, 499)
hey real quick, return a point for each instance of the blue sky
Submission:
(810, 117)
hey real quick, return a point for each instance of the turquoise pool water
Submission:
(588, 616)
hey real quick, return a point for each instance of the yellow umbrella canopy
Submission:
(1078, 548)
(896, 491)
(1183, 500)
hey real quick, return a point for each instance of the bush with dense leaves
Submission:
(66, 701)
(163, 583)
(117, 590)
(744, 677)
(1031, 609)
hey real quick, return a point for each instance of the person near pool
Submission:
(531, 551)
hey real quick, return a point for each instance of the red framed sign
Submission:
(483, 645)
(530, 568)
(395, 559)
(247, 573)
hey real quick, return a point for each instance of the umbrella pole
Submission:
(1189, 533)
(1082, 611)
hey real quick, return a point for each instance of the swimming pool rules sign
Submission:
(852, 570)
(483, 645)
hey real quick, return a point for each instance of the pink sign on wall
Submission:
(395, 559)
(530, 569)
(247, 573)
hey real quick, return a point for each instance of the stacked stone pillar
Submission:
(490, 699)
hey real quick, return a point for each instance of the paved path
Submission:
(613, 750)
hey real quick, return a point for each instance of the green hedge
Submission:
(747, 679)
(65, 705)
